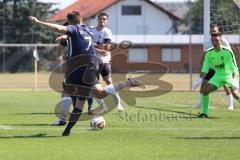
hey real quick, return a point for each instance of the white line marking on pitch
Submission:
(2, 127)
(146, 129)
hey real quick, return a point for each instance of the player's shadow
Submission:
(35, 113)
(189, 114)
(205, 138)
(94, 129)
(168, 110)
(37, 124)
(40, 135)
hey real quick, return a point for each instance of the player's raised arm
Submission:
(52, 26)
(102, 49)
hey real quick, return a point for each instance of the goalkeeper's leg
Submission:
(229, 97)
(205, 99)
(204, 82)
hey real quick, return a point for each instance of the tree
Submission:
(17, 29)
(14, 28)
(218, 14)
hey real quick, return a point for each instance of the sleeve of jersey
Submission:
(206, 64)
(225, 43)
(233, 63)
(70, 30)
(108, 35)
(207, 45)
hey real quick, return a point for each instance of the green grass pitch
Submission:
(155, 128)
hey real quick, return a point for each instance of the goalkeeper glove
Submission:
(196, 83)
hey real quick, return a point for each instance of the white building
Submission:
(126, 17)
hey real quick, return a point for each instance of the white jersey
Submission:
(99, 38)
(224, 43)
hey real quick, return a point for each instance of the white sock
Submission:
(66, 103)
(200, 99)
(101, 103)
(229, 100)
(113, 88)
(110, 89)
(117, 98)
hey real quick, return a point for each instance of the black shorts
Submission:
(104, 70)
(80, 76)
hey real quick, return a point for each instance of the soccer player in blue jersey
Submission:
(81, 80)
(67, 100)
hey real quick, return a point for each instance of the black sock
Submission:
(76, 113)
(90, 103)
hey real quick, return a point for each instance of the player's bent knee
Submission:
(100, 94)
(235, 94)
(206, 91)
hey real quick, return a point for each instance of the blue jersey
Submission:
(79, 40)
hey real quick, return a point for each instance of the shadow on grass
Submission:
(37, 124)
(34, 113)
(205, 138)
(174, 111)
(40, 135)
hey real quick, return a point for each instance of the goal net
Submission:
(229, 23)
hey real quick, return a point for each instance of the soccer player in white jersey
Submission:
(199, 80)
(102, 37)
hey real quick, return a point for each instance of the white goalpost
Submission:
(206, 22)
(237, 2)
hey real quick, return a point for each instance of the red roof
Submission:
(89, 8)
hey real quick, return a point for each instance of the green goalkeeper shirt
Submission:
(223, 61)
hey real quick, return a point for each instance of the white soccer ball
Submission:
(97, 122)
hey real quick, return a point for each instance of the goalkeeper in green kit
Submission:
(223, 61)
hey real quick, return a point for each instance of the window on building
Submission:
(131, 10)
(137, 55)
(171, 54)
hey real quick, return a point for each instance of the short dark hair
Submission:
(73, 17)
(214, 25)
(102, 14)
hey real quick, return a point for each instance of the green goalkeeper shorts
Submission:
(219, 81)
